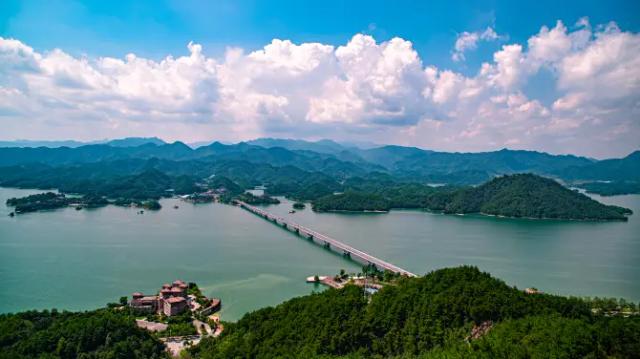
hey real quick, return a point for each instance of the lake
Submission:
(74, 260)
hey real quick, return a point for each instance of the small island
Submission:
(352, 201)
(50, 200)
(250, 198)
(299, 205)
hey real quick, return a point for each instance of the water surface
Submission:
(74, 260)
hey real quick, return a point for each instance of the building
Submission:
(142, 303)
(174, 306)
(171, 300)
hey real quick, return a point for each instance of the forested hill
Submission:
(519, 195)
(432, 316)
(331, 158)
(531, 196)
(103, 333)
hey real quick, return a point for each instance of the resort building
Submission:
(174, 306)
(171, 300)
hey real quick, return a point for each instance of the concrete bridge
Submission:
(326, 241)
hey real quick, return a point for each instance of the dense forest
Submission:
(432, 317)
(530, 196)
(291, 167)
(37, 202)
(51, 200)
(448, 313)
(519, 195)
(253, 199)
(351, 201)
(104, 333)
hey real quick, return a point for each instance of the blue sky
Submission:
(154, 30)
(157, 28)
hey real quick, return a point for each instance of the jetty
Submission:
(325, 241)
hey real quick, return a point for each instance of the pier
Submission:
(326, 241)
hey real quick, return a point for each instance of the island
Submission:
(38, 202)
(352, 201)
(299, 205)
(517, 196)
(52, 200)
(250, 198)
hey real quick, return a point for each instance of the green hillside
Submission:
(431, 316)
(531, 196)
(104, 333)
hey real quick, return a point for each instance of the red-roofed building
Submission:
(171, 300)
(174, 306)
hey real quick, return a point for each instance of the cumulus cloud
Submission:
(363, 89)
(469, 41)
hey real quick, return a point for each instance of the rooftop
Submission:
(174, 300)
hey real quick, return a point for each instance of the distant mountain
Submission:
(408, 164)
(122, 142)
(622, 169)
(322, 146)
(411, 160)
(51, 144)
(530, 196)
(135, 141)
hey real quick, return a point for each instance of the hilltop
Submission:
(530, 196)
(431, 317)
(448, 313)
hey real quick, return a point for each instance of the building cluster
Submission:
(171, 300)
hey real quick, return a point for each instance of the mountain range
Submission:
(342, 161)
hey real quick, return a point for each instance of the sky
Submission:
(559, 77)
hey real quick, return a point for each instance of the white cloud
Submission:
(469, 41)
(364, 89)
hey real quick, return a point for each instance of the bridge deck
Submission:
(333, 243)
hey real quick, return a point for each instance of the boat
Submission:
(292, 211)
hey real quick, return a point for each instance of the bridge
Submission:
(326, 241)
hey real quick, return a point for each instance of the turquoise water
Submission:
(82, 259)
